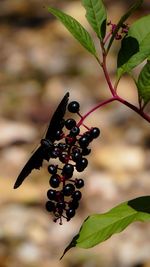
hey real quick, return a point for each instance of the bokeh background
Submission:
(39, 62)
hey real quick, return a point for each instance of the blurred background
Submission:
(39, 63)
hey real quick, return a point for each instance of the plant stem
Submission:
(94, 108)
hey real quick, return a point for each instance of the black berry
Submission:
(73, 107)
(76, 195)
(79, 183)
(70, 123)
(52, 169)
(76, 156)
(63, 157)
(58, 134)
(61, 205)
(83, 141)
(75, 131)
(86, 151)
(74, 204)
(54, 180)
(95, 132)
(50, 206)
(51, 194)
(68, 189)
(70, 213)
(81, 165)
(68, 170)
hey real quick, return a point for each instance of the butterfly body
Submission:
(46, 144)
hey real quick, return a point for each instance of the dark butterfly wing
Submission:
(35, 162)
(57, 118)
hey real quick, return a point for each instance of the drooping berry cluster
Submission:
(73, 146)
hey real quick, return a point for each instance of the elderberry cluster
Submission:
(71, 148)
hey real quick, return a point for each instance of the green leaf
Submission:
(140, 28)
(96, 16)
(136, 58)
(144, 83)
(76, 29)
(135, 46)
(99, 227)
(123, 19)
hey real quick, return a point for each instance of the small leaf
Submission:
(96, 16)
(76, 29)
(99, 227)
(144, 83)
(135, 46)
(123, 19)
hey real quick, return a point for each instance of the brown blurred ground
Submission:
(39, 62)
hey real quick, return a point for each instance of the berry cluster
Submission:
(71, 148)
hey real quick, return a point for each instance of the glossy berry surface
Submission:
(73, 107)
(54, 181)
(63, 157)
(86, 151)
(52, 169)
(76, 195)
(79, 183)
(74, 204)
(95, 132)
(70, 213)
(76, 156)
(68, 170)
(68, 189)
(50, 206)
(75, 131)
(83, 141)
(70, 123)
(51, 194)
(81, 165)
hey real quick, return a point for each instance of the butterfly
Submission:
(46, 144)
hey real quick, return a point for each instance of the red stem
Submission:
(96, 107)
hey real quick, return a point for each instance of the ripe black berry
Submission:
(68, 170)
(58, 134)
(81, 165)
(54, 180)
(83, 141)
(68, 189)
(61, 205)
(51, 194)
(76, 156)
(74, 204)
(52, 169)
(50, 206)
(75, 131)
(70, 213)
(86, 151)
(63, 157)
(76, 195)
(79, 183)
(73, 107)
(70, 123)
(95, 132)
